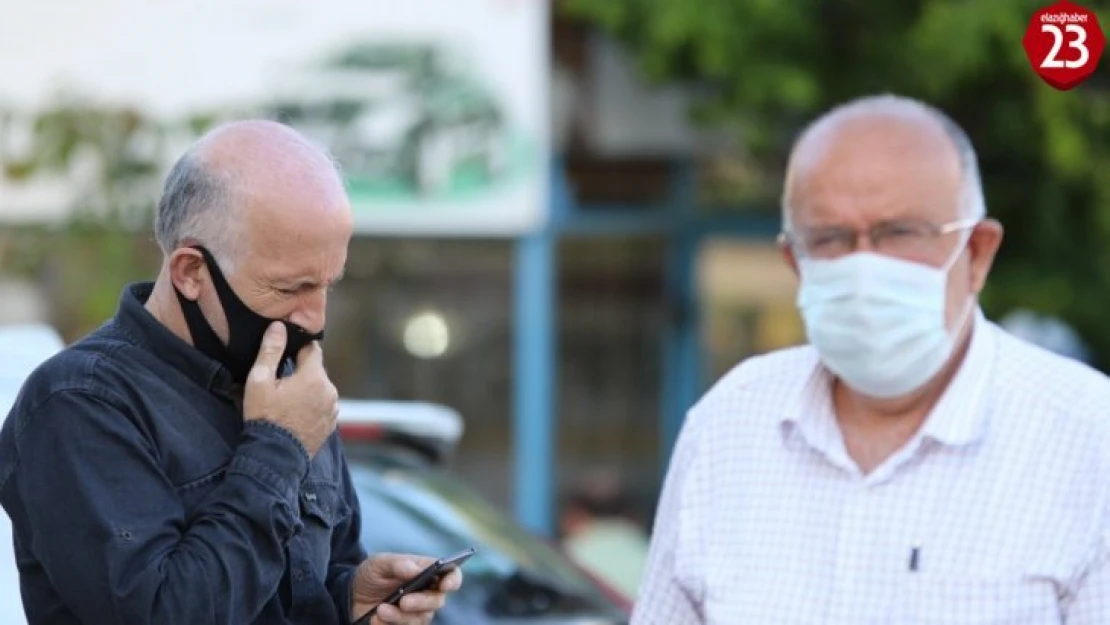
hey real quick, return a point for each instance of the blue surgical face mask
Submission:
(878, 323)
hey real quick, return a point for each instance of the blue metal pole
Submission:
(681, 343)
(681, 353)
(534, 376)
(534, 399)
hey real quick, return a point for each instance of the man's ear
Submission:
(788, 254)
(983, 243)
(187, 271)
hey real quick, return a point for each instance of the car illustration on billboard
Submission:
(401, 118)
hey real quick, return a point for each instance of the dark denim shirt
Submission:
(138, 495)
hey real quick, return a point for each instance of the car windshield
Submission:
(411, 507)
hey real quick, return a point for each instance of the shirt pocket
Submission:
(323, 509)
(936, 600)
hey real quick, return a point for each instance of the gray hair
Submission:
(199, 200)
(195, 207)
(973, 204)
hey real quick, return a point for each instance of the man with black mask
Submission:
(180, 464)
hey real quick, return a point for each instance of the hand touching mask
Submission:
(245, 328)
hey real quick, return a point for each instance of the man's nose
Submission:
(864, 242)
(311, 314)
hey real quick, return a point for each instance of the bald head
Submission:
(890, 176)
(270, 206)
(889, 149)
(248, 180)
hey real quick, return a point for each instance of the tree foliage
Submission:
(769, 66)
(110, 159)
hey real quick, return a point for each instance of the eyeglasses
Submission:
(910, 239)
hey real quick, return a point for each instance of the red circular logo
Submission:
(1064, 44)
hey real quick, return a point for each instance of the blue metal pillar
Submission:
(534, 379)
(536, 366)
(682, 373)
(681, 353)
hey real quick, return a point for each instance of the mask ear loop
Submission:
(965, 236)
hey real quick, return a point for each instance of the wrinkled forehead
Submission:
(299, 231)
(874, 168)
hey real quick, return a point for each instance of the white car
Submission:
(411, 503)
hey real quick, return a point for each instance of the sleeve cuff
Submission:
(343, 594)
(273, 456)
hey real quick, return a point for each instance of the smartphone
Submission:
(427, 578)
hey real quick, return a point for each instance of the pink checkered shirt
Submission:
(1004, 495)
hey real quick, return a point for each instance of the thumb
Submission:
(269, 355)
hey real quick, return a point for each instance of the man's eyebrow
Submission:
(294, 283)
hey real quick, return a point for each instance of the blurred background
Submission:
(566, 211)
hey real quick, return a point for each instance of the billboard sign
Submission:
(437, 111)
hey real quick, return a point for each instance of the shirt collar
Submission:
(959, 417)
(811, 414)
(136, 323)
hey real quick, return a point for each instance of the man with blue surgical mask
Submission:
(913, 463)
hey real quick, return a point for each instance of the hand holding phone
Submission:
(428, 578)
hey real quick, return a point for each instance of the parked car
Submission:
(410, 503)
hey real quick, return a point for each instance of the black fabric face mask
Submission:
(245, 329)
